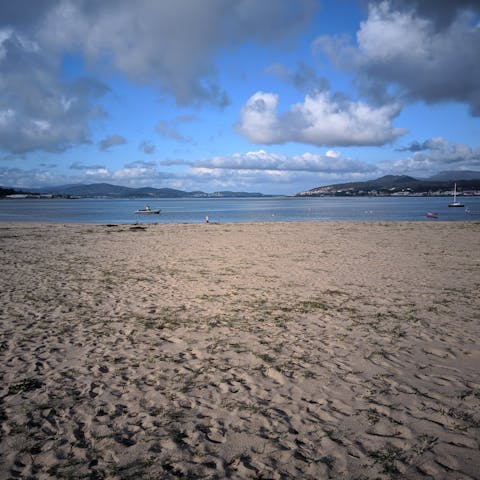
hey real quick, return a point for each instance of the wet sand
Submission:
(279, 350)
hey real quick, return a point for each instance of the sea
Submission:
(236, 210)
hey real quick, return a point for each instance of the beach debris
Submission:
(138, 227)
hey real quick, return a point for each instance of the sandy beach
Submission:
(279, 350)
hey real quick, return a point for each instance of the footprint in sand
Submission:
(216, 435)
(438, 352)
(223, 387)
(95, 390)
(275, 375)
(125, 440)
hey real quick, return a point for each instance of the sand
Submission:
(279, 350)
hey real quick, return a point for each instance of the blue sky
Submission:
(277, 96)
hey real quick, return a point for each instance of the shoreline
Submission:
(308, 349)
(7, 224)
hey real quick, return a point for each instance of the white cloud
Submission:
(259, 120)
(331, 162)
(40, 111)
(97, 174)
(391, 36)
(268, 181)
(168, 45)
(422, 58)
(437, 154)
(321, 119)
(175, 42)
(275, 173)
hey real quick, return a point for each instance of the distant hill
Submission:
(388, 181)
(7, 191)
(395, 184)
(111, 191)
(228, 193)
(116, 191)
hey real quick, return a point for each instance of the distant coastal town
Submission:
(385, 192)
(401, 185)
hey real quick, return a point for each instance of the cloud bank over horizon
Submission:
(244, 171)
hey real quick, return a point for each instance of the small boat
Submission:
(148, 211)
(432, 215)
(455, 203)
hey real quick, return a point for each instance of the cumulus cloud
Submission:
(331, 162)
(175, 44)
(438, 154)
(417, 54)
(321, 119)
(39, 111)
(111, 141)
(437, 143)
(140, 174)
(442, 13)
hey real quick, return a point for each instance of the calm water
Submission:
(274, 209)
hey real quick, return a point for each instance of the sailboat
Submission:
(455, 203)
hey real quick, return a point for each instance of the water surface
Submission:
(268, 209)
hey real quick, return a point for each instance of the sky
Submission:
(271, 96)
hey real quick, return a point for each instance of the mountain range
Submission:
(116, 191)
(442, 181)
(390, 184)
